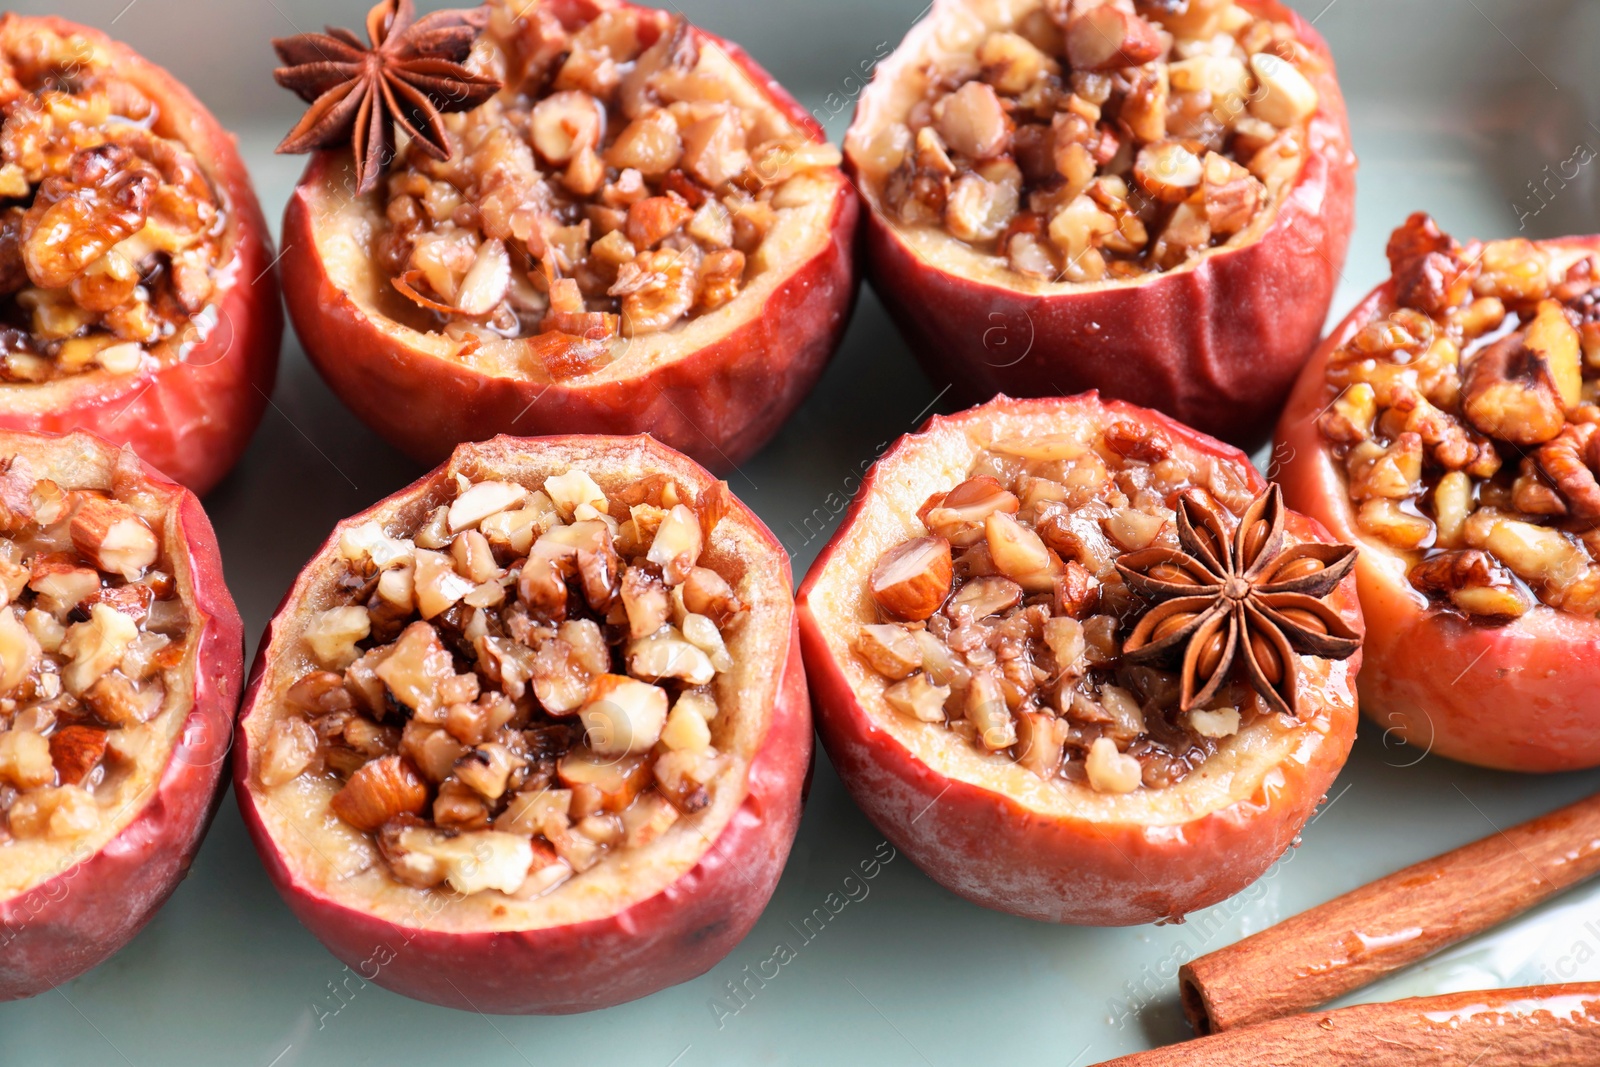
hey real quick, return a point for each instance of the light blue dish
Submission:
(1475, 110)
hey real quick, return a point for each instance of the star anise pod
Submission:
(1235, 594)
(408, 76)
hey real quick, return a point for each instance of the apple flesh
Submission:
(192, 418)
(1514, 696)
(1216, 342)
(66, 906)
(994, 832)
(716, 387)
(643, 919)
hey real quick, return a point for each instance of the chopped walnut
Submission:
(1462, 417)
(566, 716)
(1015, 649)
(114, 246)
(1090, 141)
(87, 629)
(611, 191)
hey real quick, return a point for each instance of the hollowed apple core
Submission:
(944, 455)
(556, 318)
(329, 858)
(983, 183)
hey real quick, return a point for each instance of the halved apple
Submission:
(141, 283)
(532, 731)
(1477, 573)
(1022, 760)
(1149, 199)
(122, 663)
(672, 255)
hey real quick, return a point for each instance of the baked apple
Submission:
(121, 666)
(533, 729)
(1148, 198)
(640, 232)
(1078, 661)
(138, 299)
(1448, 425)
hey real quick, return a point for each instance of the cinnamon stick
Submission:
(1357, 938)
(1552, 1026)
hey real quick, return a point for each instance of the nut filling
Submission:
(1465, 420)
(520, 685)
(616, 186)
(110, 233)
(1098, 140)
(92, 622)
(1006, 622)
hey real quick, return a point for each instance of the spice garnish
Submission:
(1237, 595)
(411, 73)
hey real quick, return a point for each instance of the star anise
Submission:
(1235, 594)
(410, 74)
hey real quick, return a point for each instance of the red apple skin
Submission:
(718, 405)
(62, 927)
(671, 937)
(193, 418)
(1518, 696)
(1216, 346)
(984, 846)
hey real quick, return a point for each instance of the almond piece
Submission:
(437, 585)
(1040, 742)
(958, 515)
(1107, 37)
(1552, 338)
(1168, 171)
(889, 649)
(987, 712)
(1285, 97)
(714, 149)
(611, 782)
(380, 790)
(677, 545)
(482, 500)
(918, 698)
(912, 580)
(705, 592)
(486, 282)
(1020, 553)
(624, 716)
(75, 751)
(566, 124)
(113, 538)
